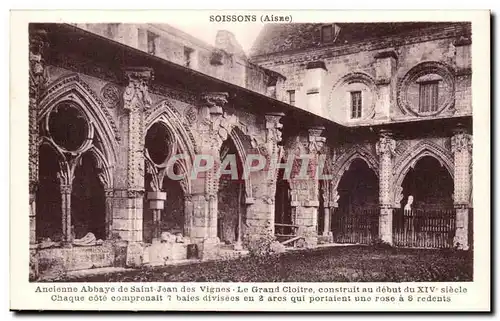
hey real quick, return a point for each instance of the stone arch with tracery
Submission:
(78, 146)
(354, 196)
(169, 154)
(342, 164)
(408, 161)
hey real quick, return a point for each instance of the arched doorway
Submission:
(231, 196)
(430, 184)
(426, 217)
(356, 218)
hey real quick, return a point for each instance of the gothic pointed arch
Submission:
(243, 145)
(105, 173)
(345, 160)
(409, 159)
(73, 89)
(182, 138)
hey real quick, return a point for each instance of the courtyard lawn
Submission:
(334, 264)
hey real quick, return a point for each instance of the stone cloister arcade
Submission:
(129, 173)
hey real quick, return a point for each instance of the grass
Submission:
(335, 264)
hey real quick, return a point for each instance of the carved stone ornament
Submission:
(111, 95)
(217, 124)
(37, 82)
(215, 99)
(37, 71)
(316, 142)
(385, 148)
(386, 145)
(136, 94)
(461, 141)
(136, 99)
(273, 127)
(191, 115)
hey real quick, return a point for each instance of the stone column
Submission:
(37, 80)
(129, 193)
(260, 208)
(156, 204)
(305, 190)
(326, 229)
(334, 197)
(67, 230)
(239, 239)
(213, 130)
(109, 194)
(188, 215)
(461, 146)
(326, 208)
(385, 150)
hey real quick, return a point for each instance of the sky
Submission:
(245, 33)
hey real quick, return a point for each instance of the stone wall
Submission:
(222, 60)
(383, 74)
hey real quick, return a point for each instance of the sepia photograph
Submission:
(249, 148)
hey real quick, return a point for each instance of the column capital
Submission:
(139, 73)
(215, 101)
(37, 72)
(461, 140)
(136, 95)
(273, 127)
(109, 192)
(38, 41)
(316, 141)
(274, 116)
(216, 124)
(386, 143)
(135, 193)
(316, 131)
(65, 188)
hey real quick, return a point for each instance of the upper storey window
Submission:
(356, 104)
(112, 30)
(427, 89)
(188, 57)
(428, 96)
(152, 40)
(291, 97)
(329, 33)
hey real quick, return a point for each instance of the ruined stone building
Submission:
(383, 110)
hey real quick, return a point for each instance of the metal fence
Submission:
(358, 227)
(424, 228)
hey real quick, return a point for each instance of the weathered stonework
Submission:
(461, 146)
(260, 209)
(37, 82)
(408, 88)
(340, 100)
(128, 202)
(385, 149)
(304, 183)
(200, 118)
(407, 153)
